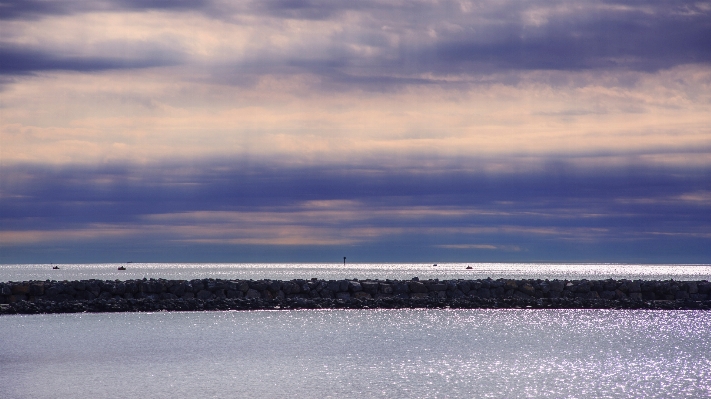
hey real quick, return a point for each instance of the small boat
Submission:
(469, 267)
(434, 264)
(121, 268)
(55, 267)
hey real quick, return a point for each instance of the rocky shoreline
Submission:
(151, 295)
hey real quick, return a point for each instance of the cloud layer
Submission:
(214, 129)
(224, 210)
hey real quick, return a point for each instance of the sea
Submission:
(426, 353)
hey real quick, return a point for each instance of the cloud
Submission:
(34, 9)
(226, 203)
(510, 248)
(418, 127)
(382, 43)
(15, 60)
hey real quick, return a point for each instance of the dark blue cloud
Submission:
(601, 40)
(17, 61)
(32, 9)
(608, 35)
(559, 212)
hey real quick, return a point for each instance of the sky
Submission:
(384, 131)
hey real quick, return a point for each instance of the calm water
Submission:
(372, 353)
(358, 354)
(282, 271)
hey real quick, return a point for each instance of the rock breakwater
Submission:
(30, 297)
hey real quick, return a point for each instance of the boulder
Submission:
(370, 287)
(20, 289)
(527, 289)
(362, 295)
(401, 287)
(635, 296)
(607, 295)
(692, 287)
(275, 285)
(634, 286)
(437, 287)
(386, 288)
(333, 286)
(464, 286)
(251, 293)
(204, 295)
(417, 287)
(354, 286)
(36, 289)
(556, 285)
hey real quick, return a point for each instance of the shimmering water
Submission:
(283, 271)
(358, 354)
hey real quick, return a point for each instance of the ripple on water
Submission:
(288, 271)
(376, 353)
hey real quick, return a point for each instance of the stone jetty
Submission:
(151, 295)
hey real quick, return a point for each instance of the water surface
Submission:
(288, 271)
(371, 353)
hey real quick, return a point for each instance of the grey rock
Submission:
(527, 289)
(334, 286)
(36, 289)
(251, 293)
(275, 285)
(197, 285)
(519, 294)
(417, 287)
(582, 287)
(635, 296)
(464, 286)
(401, 287)
(437, 287)
(693, 288)
(370, 287)
(354, 286)
(608, 295)
(203, 294)
(634, 286)
(178, 289)
(556, 285)
(386, 288)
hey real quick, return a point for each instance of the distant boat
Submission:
(434, 264)
(469, 267)
(55, 267)
(122, 268)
